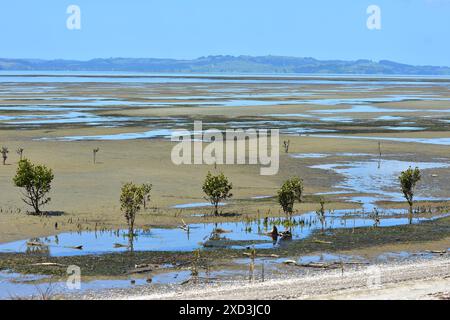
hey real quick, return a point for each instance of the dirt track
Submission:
(413, 280)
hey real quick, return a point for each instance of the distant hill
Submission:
(226, 64)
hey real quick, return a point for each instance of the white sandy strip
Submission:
(412, 280)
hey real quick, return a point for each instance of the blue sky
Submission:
(413, 31)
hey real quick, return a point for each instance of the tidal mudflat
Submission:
(350, 137)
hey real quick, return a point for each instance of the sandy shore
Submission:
(407, 280)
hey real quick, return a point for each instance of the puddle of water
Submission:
(325, 155)
(303, 130)
(247, 124)
(404, 128)
(71, 118)
(389, 118)
(12, 287)
(164, 133)
(388, 98)
(351, 154)
(195, 205)
(157, 133)
(19, 285)
(374, 177)
(332, 192)
(302, 115)
(328, 258)
(371, 109)
(355, 109)
(437, 141)
(323, 258)
(403, 255)
(337, 119)
(43, 108)
(238, 235)
(308, 155)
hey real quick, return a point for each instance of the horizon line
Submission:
(226, 55)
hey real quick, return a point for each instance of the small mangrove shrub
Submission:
(321, 213)
(131, 199)
(408, 181)
(290, 192)
(217, 188)
(36, 181)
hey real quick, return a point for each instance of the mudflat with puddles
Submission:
(337, 127)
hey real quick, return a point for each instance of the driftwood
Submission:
(119, 245)
(184, 226)
(220, 230)
(140, 270)
(285, 235)
(146, 265)
(355, 263)
(317, 265)
(321, 265)
(438, 251)
(143, 268)
(36, 244)
(214, 244)
(80, 247)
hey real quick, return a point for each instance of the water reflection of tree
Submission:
(131, 242)
(132, 236)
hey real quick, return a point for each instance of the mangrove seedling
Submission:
(131, 199)
(94, 153)
(36, 180)
(290, 192)
(146, 189)
(20, 153)
(408, 180)
(217, 188)
(376, 217)
(321, 213)
(4, 153)
(286, 144)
